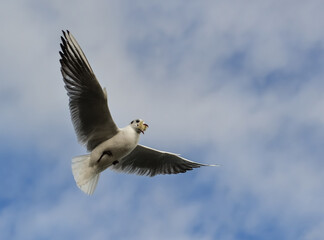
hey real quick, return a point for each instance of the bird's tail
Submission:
(86, 177)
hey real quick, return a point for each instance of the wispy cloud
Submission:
(220, 82)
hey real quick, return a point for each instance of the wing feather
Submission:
(89, 110)
(148, 161)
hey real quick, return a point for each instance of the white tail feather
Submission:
(86, 177)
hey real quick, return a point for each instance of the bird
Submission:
(108, 146)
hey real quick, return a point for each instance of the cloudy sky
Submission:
(239, 83)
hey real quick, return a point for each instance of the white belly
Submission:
(119, 146)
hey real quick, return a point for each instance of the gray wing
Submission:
(148, 161)
(90, 115)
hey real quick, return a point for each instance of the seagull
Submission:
(109, 146)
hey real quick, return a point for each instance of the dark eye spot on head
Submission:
(137, 121)
(132, 122)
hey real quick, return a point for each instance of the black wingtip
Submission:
(61, 54)
(62, 47)
(63, 40)
(65, 32)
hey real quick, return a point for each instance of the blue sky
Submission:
(239, 83)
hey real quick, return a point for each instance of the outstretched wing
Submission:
(90, 115)
(148, 161)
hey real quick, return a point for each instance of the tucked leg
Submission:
(109, 153)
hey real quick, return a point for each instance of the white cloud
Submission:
(201, 73)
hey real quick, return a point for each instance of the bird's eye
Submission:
(137, 121)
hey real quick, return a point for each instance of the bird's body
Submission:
(114, 148)
(86, 168)
(109, 146)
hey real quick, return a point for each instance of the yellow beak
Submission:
(142, 126)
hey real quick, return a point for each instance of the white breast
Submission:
(119, 145)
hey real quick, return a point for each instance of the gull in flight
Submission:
(109, 146)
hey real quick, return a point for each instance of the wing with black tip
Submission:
(148, 161)
(89, 110)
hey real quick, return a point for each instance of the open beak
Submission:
(143, 126)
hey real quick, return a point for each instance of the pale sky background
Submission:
(239, 83)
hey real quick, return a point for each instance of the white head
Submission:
(139, 125)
